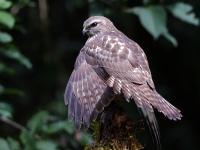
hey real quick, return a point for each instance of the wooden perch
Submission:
(115, 130)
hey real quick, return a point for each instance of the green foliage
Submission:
(183, 12)
(9, 144)
(37, 121)
(7, 49)
(13, 53)
(154, 18)
(8, 70)
(4, 4)
(39, 132)
(57, 126)
(27, 140)
(53, 47)
(4, 144)
(6, 110)
(46, 144)
(13, 144)
(5, 37)
(7, 19)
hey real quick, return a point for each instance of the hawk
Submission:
(108, 64)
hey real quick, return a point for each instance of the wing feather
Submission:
(127, 69)
(84, 91)
(78, 115)
(119, 62)
(106, 98)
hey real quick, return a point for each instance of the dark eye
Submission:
(94, 24)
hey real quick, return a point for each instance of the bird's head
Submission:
(97, 24)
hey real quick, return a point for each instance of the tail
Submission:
(146, 98)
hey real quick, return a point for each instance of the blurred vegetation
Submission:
(40, 40)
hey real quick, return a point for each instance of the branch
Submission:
(12, 123)
(115, 130)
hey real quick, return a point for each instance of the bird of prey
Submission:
(108, 64)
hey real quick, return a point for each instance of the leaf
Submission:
(184, 12)
(15, 54)
(170, 38)
(5, 4)
(152, 18)
(14, 145)
(27, 140)
(46, 145)
(37, 122)
(4, 68)
(6, 110)
(70, 127)
(7, 19)
(5, 37)
(4, 90)
(6, 106)
(4, 144)
(5, 113)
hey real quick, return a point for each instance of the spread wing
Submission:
(86, 93)
(129, 72)
(126, 64)
(121, 58)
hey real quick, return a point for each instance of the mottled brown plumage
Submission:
(110, 63)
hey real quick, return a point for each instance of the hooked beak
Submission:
(85, 31)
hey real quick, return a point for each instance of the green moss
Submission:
(115, 131)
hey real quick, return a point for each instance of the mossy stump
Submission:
(115, 130)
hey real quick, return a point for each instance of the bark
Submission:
(115, 130)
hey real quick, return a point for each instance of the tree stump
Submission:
(115, 130)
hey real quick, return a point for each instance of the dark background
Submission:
(51, 39)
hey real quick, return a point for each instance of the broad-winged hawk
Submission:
(108, 64)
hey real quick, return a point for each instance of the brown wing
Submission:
(84, 91)
(120, 57)
(129, 72)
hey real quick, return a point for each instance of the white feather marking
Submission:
(136, 70)
(121, 44)
(108, 40)
(110, 81)
(112, 45)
